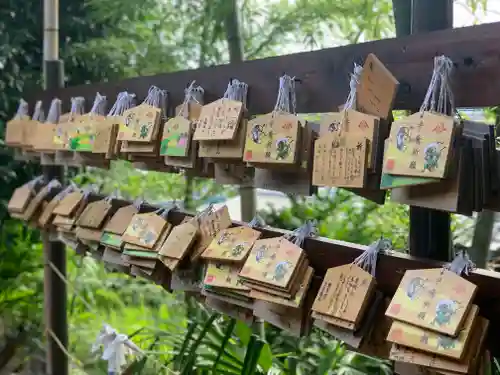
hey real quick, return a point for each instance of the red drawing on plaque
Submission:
(209, 278)
(245, 270)
(363, 125)
(395, 309)
(397, 334)
(248, 155)
(459, 289)
(439, 128)
(390, 164)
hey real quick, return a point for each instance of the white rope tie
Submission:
(237, 90)
(38, 113)
(353, 85)
(461, 264)
(286, 100)
(22, 109)
(99, 106)
(191, 94)
(77, 105)
(54, 111)
(368, 259)
(299, 235)
(124, 101)
(439, 94)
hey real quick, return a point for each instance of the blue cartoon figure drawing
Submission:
(432, 154)
(445, 309)
(414, 287)
(260, 253)
(402, 138)
(281, 270)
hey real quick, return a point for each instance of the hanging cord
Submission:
(22, 109)
(54, 111)
(440, 86)
(191, 94)
(68, 189)
(114, 195)
(157, 98)
(99, 106)
(90, 189)
(350, 103)
(35, 182)
(299, 235)
(257, 222)
(368, 260)
(165, 210)
(286, 100)
(461, 264)
(38, 113)
(237, 90)
(77, 105)
(124, 101)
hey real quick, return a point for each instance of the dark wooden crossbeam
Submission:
(324, 74)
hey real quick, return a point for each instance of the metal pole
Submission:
(430, 234)
(54, 251)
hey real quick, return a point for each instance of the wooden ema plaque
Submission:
(296, 301)
(144, 230)
(218, 120)
(47, 215)
(20, 199)
(377, 89)
(232, 244)
(82, 132)
(344, 295)
(176, 139)
(432, 299)
(36, 204)
(229, 149)
(14, 130)
(431, 342)
(340, 163)
(69, 204)
(209, 226)
(272, 139)
(178, 244)
(106, 132)
(420, 146)
(141, 124)
(117, 225)
(223, 275)
(272, 261)
(445, 365)
(94, 214)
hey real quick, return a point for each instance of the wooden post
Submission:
(430, 235)
(54, 251)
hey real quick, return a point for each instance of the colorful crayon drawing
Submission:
(432, 154)
(283, 148)
(281, 270)
(175, 145)
(415, 287)
(445, 309)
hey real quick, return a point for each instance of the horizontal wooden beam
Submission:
(324, 74)
(325, 253)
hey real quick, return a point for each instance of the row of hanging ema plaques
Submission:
(431, 322)
(355, 147)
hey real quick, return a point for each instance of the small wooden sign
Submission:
(45, 218)
(296, 301)
(272, 138)
(209, 226)
(69, 204)
(345, 293)
(232, 244)
(106, 133)
(145, 230)
(180, 240)
(94, 214)
(431, 342)
(218, 120)
(119, 222)
(176, 139)
(228, 149)
(445, 365)
(224, 275)
(420, 146)
(20, 199)
(340, 164)
(140, 124)
(433, 299)
(272, 261)
(377, 89)
(14, 130)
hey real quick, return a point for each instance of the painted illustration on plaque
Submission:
(432, 154)
(141, 229)
(283, 148)
(232, 244)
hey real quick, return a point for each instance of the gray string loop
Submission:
(257, 222)
(191, 94)
(368, 259)
(157, 98)
(99, 106)
(286, 100)
(35, 182)
(166, 208)
(237, 90)
(77, 105)
(38, 113)
(54, 111)
(298, 236)
(439, 96)
(353, 85)
(124, 101)
(461, 264)
(89, 189)
(22, 109)
(138, 202)
(63, 193)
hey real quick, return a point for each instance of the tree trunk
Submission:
(233, 37)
